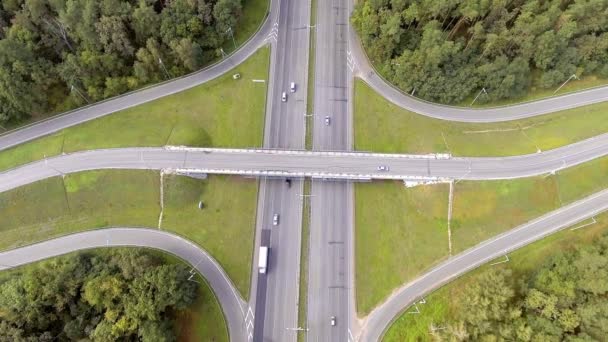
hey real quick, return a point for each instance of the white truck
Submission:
(263, 260)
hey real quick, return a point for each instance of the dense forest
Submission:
(119, 295)
(57, 54)
(565, 299)
(449, 50)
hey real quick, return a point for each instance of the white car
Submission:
(292, 87)
(284, 97)
(327, 121)
(275, 220)
(332, 320)
(383, 168)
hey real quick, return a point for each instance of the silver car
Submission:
(327, 121)
(275, 220)
(284, 97)
(383, 168)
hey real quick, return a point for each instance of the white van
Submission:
(292, 87)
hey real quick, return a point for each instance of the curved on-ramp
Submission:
(381, 317)
(231, 302)
(367, 73)
(137, 97)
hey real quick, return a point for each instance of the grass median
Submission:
(223, 113)
(444, 304)
(96, 199)
(381, 126)
(401, 232)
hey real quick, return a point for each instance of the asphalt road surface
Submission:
(382, 316)
(230, 300)
(316, 164)
(97, 110)
(331, 275)
(367, 73)
(275, 295)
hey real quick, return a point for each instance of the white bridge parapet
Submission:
(316, 175)
(310, 153)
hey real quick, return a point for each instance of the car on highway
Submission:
(292, 87)
(327, 121)
(288, 181)
(284, 97)
(332, 320)
(275, 220)
(383, 168)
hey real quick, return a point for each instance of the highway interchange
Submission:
(271, 314)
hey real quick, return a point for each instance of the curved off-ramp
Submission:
(231, 302)
(380, 318)
(115, 104)
(367, 73)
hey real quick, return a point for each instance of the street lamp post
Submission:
(160, 61)
(72, 88)
(573, 76)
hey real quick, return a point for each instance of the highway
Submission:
(275, 294)
(331, 260)
(366, 72)
(381, 317)
(319, 165)
(229, 298)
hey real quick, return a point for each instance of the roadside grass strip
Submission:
(110, 198)
(444, 304)
(381, 126)
(221, 113)
(402, 232)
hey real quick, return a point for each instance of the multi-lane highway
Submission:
(274, 297)
(230, 300)
(331, 273)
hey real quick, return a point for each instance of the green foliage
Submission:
(563, 300)
(101, 48)
(119, 295)
(449, 50)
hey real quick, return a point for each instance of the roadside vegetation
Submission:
(100, 295)
(449, 51)
(110, 198)
(62, 54)
(223, 112)
(401, 232)
(381, 126)
(552, 289)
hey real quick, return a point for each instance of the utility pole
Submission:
(160, 61)
(72, 88)
(232, 35)
(573, 76)
(483, 90)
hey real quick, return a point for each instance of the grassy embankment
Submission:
(222, 113)
(381, 126)
(443, 304)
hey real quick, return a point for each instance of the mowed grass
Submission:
(97, 199)
(444, 304)
(484, 209)
(224, 227)
(202, 321)
(222, 113)
(399, 233)
(381, 126)
(81, 201)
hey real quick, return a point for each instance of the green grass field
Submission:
(202, 321)
(399, 233)
(402, 232)
(381, 126)
(96, 199)
(443, 304)
(223, 112)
